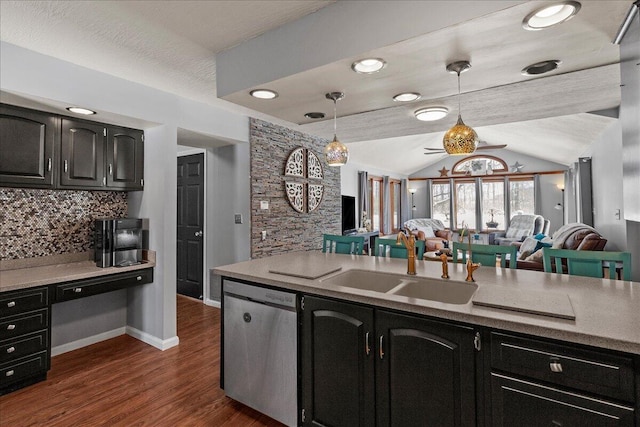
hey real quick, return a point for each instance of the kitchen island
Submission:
(573, 364)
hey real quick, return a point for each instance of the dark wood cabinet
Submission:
(27, 141)
(337, 364)
(24, 337)
(425, 373)
(399, 370)
(82, 150)
(99, 285)
(125, 158)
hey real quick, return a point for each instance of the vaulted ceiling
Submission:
(217, 51)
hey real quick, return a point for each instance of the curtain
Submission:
(452, 215)
(429, 197)
(537, 195)
(478, 225)
(386, 205)
(507, 202)
(405, 208)
(363, 195)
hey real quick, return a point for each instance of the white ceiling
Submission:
(172, 45)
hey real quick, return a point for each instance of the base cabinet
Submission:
(396, 370)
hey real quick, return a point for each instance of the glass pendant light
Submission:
(460, 139)
(336, 152)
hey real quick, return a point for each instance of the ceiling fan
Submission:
(482, 145)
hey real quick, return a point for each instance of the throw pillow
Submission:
(535, 257)
(539, 236)
(428, 231)
(528, 247)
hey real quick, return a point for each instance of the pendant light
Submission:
(460, 139)
(336, 152)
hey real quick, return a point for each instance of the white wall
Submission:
(151, 313)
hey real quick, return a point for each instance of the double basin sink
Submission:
(447, 291)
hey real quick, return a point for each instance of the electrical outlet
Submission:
(263, 235)
(264, 204)
(238, 218)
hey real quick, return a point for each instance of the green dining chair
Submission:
(485, 254)
(587, 263)
(382, 247)
(332, 243)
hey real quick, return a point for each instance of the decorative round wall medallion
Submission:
(305, 191)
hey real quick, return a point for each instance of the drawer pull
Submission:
(11, 304)
(9, 373)
(555, 367)
(139, 278)
(77, 290)
(11, 327)
(11, 349)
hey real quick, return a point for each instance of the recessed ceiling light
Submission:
(314, 115)
(80, 110)
(552, 14)
(541, 67)
(407, 97)
(430, 114)
(263, 94)
(368, 65)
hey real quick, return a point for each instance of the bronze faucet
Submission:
(445, 266)
(471, 266)
(410, 244)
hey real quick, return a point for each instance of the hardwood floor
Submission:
(124, 382)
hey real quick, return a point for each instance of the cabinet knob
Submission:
(66, 166)
(77, 290)
(139, 278)
(11, 327)
(110, 169)
(367, 347)
(555, 366)
(11, 304)
(380, 348)
(9, 373)
(11, 349)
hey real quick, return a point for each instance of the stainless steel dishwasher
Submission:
(260, 350)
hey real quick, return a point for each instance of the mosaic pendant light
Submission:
(336, 153)
(460, 139)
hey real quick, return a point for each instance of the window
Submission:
(465, 207)
(493, 203)
(479, 165)
(522, 196)
(440, 206)
(375, 196)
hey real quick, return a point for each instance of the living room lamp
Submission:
(336, 153)
(413, 191)
(460, 139)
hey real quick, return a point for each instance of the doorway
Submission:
(190, 227)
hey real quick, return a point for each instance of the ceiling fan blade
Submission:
(434, 152)
(490, 147)
(434, 149)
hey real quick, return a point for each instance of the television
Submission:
(348, 215)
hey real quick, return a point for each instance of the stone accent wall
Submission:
(36, 223)
(287, 230)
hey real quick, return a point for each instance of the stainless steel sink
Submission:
(447, 291)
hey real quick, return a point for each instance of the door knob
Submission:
(198, 233)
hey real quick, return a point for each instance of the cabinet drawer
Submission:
(23, 368)
(85, 288)
(11, 327)
(525, 404)
(589, 371)
(22, 346)
(22, 301)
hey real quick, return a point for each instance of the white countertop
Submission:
(607, 312)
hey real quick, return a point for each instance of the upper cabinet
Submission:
(47, 151)
(27, 141)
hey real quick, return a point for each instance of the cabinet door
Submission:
(82, 154)
(125, 158)
(27, 140)
(425, 372)
(337, 364)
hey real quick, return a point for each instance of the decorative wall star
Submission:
(443, 171)
(516, 167)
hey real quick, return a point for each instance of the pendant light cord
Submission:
(335, 118)
(459, 112)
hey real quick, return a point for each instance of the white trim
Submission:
(74, 345)
(205, 277)
(212, 303)
(151, 340)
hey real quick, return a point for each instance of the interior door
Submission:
(190, 225)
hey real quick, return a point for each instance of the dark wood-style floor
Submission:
(124, 382)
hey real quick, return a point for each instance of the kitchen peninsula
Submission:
(457, 362)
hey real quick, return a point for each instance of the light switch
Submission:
(238, 218)
(263, 235)
(264, 204)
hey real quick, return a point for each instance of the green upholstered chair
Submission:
(342, 244)
(394, 249)
(587, 263)
(485, 254)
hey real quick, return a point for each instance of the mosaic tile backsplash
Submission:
(35, 223)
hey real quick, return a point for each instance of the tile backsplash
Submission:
(35, 223)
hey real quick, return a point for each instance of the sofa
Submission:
(520, 227)
(574, 236)
(432, 231)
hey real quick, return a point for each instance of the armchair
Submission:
(520, 227)
(432, 231)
